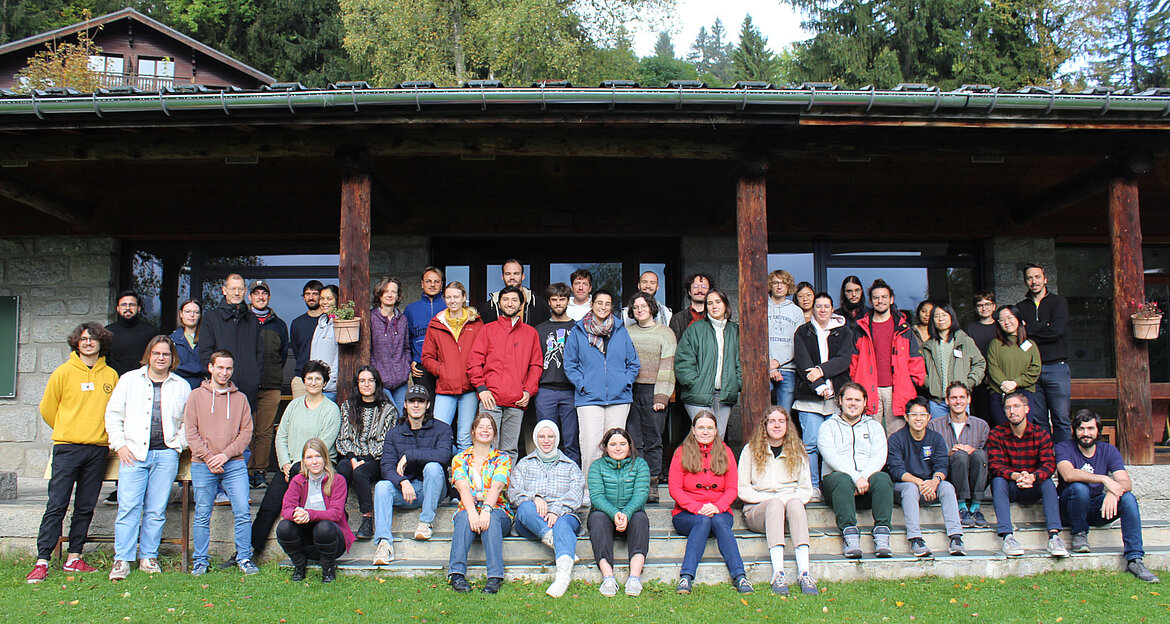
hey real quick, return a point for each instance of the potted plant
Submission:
(1147, 321)
(346, 327)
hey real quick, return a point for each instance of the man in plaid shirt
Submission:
(1021, 462)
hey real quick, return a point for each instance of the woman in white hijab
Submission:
(547, 488)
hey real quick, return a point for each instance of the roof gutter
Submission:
(992, 104)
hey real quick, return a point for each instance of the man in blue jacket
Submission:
(415, 457)
(917, 463)
(418, 316)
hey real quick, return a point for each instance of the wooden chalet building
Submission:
(940, 193)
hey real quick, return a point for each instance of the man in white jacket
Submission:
(853, 453)
(144, 421)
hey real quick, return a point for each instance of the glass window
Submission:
(458, 273)
(106, 64)
(495, 277)
(146, 274)
(658, 269)
(1085, 278)
(909, 284)
(800, 265)
(162, 68)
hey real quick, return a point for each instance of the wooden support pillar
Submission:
(752, 241)
(354, 272)
(1134, 409)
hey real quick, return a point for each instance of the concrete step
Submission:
(825, 568)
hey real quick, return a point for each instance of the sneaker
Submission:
(609, 587)
(547, 539)
(808, 585)
(965, 519)
(38, 574)
(459, 583)
(149, 565)
(1134, 567)
(384, 554)
(120, 570)
(222, 499)
(249, 568)
(77, 565)
(741, 585)
(1056, 546)
(493, 585)
(112, 499)
(366, 529)
(199, 569)
(816, 496)
(779, 584)
(1011, 547)
(980, 521)
(881, 542)
(1080, 543)
(957, 549)
(852, 548)
(258, 480)
(684, 585)
(918, 547)
(423, 531)
(633, 586)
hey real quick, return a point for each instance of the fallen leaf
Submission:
(125, 594)
(381, 580)
(744, 601)
(953, 601)
(1060, 619)
(170, 609)
(824, 609)
(73, 602)
(209, 605)
(899, 603)
(358, 611)
(69, 578)
(203, 586)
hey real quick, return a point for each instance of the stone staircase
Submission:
(529, 559)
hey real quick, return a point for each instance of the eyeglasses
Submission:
(87, 339)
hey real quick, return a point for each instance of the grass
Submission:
(1060, 597)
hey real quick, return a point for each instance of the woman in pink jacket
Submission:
(314, 524)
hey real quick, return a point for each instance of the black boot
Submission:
(653, 496)
(328, 566)
(366, 530)
(299, 561)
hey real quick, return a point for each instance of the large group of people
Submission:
(872, 408)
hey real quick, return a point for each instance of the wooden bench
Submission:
(183, 478)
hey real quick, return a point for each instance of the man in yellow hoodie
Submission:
(74, 405)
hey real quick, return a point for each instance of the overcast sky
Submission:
(779, 23)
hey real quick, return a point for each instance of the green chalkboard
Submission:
(9, 324)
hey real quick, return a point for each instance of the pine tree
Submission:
(752, 60)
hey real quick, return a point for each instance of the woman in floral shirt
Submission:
(480, 475)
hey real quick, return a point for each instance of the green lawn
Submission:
(1067, 598)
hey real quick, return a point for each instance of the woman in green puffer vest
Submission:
(619, 483)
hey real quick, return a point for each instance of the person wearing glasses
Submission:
(703, 483)
(982, 330)
(232, 327)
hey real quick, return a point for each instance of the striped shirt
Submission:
(1032, 453)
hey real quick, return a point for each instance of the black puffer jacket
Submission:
(235, 328)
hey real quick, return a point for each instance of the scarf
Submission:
(599, 332)
(262, 314)
(552, 456)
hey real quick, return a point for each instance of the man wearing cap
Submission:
(274, 340)
(415, 456)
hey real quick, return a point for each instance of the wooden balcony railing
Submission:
(146, 83)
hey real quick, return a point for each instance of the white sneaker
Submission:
(609, 587)
(423, 531)
(384, 554)
(1011, 547)
(120, 570)
(547, 539)
(149, 565)
(633, 586)
(1056, 546)
(563, 578)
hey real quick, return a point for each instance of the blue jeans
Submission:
(1053, 400)
(492, 538)
(1080, 510)
(810, 428)
(332, 396)
(697, 528)
(398, 396)
(143, 492)
(428, 494)
(529, 524)
(447, 406)
(558, 406)
(938, 410)
(235, 482)
(1005, 492)
(782, 391)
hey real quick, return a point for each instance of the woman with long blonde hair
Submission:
(315, 524)
(703, 483)
(775, 485)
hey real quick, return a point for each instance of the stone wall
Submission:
(1009, 255)
(61, 281)
(401, 256)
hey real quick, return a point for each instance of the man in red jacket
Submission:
(505, 367)
(887, 362)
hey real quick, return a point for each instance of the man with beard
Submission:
(887, 362)
(1045, 314)
(533, 310)
(274, 339)
(1095, 490)
(505, 368)
(648, 283)
(698, 285)
(301, 333)
(232, 327)
(852, 301)
(131, 333)
(555, 400)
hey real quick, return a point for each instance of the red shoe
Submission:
(77, 565)
(38, 574)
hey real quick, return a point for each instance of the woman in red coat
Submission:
(314, 525)
(703, 483)
(450, 336)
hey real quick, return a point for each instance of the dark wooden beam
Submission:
(1081, 185)
(752, 239)
(1134, 408)
(354, 273)
(66, 210)
(352, 160)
